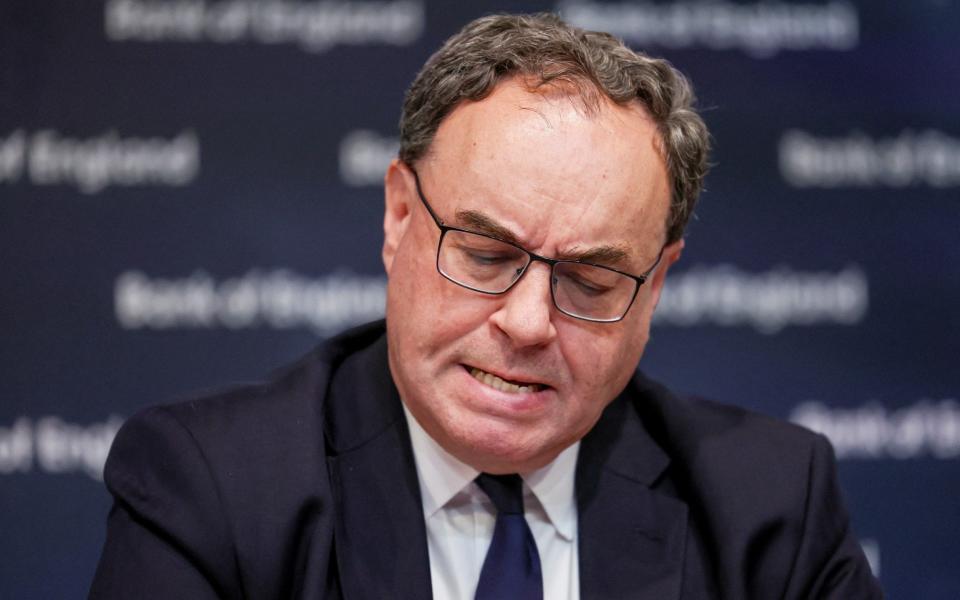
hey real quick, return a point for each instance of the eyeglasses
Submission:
(489, 265)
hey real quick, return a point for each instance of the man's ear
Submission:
(398, 197)
(671, 254)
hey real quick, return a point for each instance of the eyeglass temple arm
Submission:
(416, 179)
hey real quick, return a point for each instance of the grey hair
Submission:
(547, 51)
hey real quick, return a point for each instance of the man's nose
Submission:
(526, 312)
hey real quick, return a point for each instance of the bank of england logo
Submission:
(311, 26)
(93, 164)
(858, 160)
(275, 299)
(759, 29)
(925, 429)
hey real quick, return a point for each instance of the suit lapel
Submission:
(380, 536)
(631, 536)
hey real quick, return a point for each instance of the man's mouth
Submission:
(498, 383)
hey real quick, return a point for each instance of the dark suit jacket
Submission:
(305, 487)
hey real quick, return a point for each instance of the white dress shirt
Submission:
(460, 519)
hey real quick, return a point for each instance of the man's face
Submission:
(563, 182)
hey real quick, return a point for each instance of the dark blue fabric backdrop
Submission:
(190, 195)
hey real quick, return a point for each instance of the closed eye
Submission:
(589, 288)
(486, 259)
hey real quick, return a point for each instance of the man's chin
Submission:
(499, 450)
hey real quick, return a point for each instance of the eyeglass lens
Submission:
(492, 266)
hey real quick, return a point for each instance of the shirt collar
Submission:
(553, 485)
(442, 476)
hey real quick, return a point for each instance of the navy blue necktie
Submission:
(511, 570)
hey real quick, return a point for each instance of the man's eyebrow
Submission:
(475, 220)
(605, 255)
(479, 222)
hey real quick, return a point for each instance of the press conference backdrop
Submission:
(191, 196)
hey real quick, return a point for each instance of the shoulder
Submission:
(739, 472)
(243, 447)
(247, 424)
(763, 495)
(713, 443)
(232, 480)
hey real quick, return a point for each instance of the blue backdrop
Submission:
(190, 195)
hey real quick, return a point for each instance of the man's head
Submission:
(571, 146)
(591, 65)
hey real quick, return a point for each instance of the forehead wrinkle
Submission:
(479, 222)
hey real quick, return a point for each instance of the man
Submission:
(495, 441)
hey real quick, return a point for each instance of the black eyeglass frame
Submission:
(552, 262)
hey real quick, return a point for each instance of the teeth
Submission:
(499, 384)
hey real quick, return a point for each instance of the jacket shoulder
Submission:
(711, 441)
(235, 479)
(246, 423)
(763, 495)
